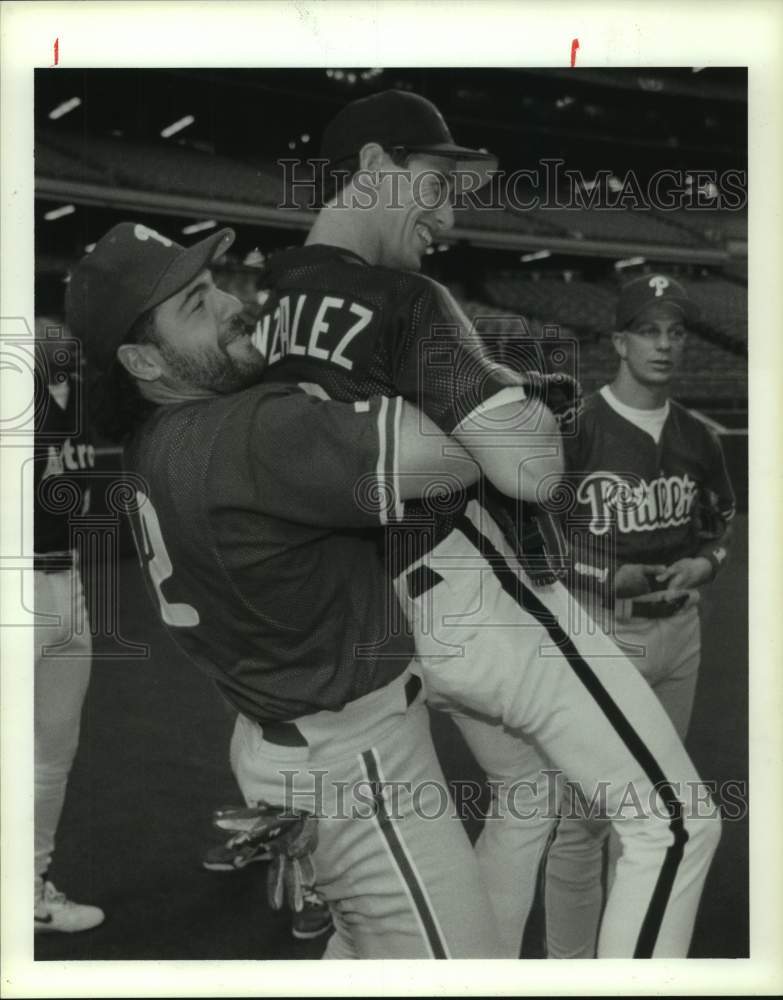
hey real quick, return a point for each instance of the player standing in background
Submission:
(652, 504)
(348, 314)
(275, 586)
(63, 458)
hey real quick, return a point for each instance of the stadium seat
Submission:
(627, 225)
(585, 307)
(156, 167)
(724, 309)
(709, 371)
(713, 226)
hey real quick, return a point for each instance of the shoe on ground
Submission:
(313, 920)
(55, 912)
(229, 857)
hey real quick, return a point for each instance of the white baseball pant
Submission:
(393, 860)
(63, 651)
(491, 643)
(666, 653)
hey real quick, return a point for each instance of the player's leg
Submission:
(676, 656)
(589, 711)
(415, 886)
(679, 650)
(63, 650)
(670, 664)
(666, 653)
(340, 947)
(619, 744)
(672, 819)
(393, 859)
(61, 679)
(467, 620)
(573, 890)
(518, 823)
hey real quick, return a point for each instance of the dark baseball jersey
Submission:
(357, 330)
(638, 501)
(63, 459)
(261, 547)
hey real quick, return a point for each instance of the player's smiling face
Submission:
(652, 347)
(202, 342)
(414, 209)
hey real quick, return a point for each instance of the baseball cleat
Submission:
(229, 857)
(55, 912)
(313, 920)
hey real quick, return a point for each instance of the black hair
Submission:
(116, 405)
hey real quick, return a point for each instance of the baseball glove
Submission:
(561, 393)
(543, 546)
(536, 537)
(290, 836)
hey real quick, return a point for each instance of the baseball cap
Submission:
(131, 270)
(399, 118)
(640, 292)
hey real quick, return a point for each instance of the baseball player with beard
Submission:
(648, 527)
(274, 585)
(348, 314)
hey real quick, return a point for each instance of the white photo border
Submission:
(399, 33)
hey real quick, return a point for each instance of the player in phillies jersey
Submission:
(64, 458)
(652, 505)
(348, 313)
(258, 517)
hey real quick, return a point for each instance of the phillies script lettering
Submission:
(321, 327)
(636, 506)
(68, 458)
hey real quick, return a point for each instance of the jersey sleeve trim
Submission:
(509, 394)
(388, 416)
(312, 389)
(392, 507)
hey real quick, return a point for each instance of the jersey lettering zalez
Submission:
(358, 330)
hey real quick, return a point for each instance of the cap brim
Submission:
(189, 265)
(467, 160)
(689, 309)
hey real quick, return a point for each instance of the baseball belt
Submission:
(53, 562)
(664, 608)
(288, 734)
(658, 609)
